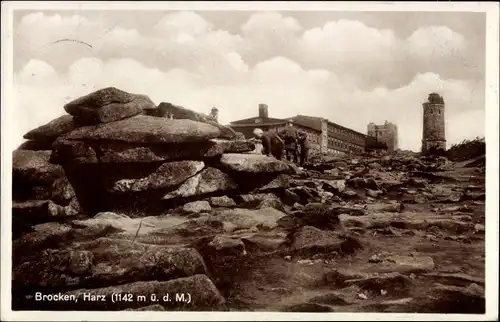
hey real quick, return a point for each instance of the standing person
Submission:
(304, 148)
(272, 144)
(290, 137)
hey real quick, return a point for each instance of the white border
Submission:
(491, 129)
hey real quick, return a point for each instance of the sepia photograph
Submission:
(249, 158)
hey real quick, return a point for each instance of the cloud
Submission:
(344, 70)
(347, 41)
(286, 87)
(434, 41)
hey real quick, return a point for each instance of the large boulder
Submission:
(34, 167)
(144, 129)
(107, 105)
(35, 178)
(179, 112)
(168, 175)
(311, 240)
(106, 261)
(253, 163)
(52, 130)
(207, 181)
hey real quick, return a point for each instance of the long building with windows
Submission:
(325, 136)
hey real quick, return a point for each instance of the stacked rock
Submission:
(120, 152)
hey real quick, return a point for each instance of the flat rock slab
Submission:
(85, 152)
(179, 112)
(229, 146)
(253, 163)
(404, 264)
(34, 167)
(207, 181)
(34, 212)
(223, 201)
(168, 175)
(238, 218)
(311, 240)
(147, 130)
(456, 279)
(407, 221)
(52, 130)
(107, 105)
(393, 283)
(197, 207)
(106, 261)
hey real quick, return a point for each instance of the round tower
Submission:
(433, 136)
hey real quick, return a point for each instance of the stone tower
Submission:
(433, 136)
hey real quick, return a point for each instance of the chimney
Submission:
(263, 111)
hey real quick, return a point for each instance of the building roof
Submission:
(256, 120)
(312, 122)
(263, 121)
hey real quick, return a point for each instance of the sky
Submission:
(352, 68)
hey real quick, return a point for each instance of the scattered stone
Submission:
(405, 264)
(393, 283)
(197, 207)
(374, 193)
(264, 242)
(320, 216)
(379, 207)
(223, 201)
(310, 240)
(225, 245)
(249, 200)
(290, 198)
(238, 218)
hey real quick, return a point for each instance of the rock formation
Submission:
(118, 198)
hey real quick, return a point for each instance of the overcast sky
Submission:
(350, 67)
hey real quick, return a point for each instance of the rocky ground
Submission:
(219, 228)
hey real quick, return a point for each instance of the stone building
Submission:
(325, 136)
(386, 133)
(433, 136)
(266, 123)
